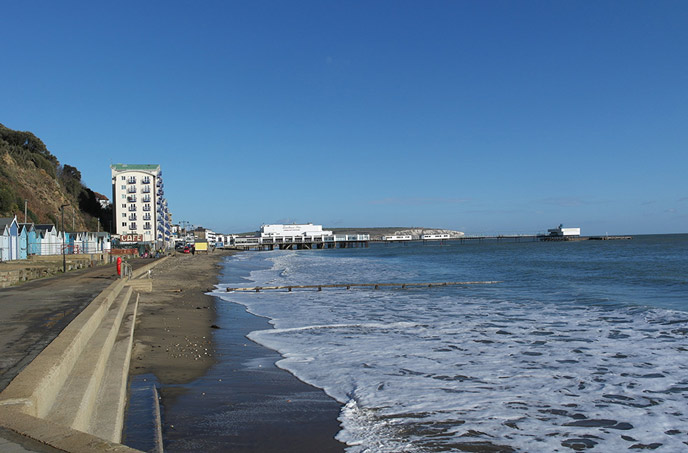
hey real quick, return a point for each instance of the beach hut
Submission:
(87, 242)
(38, 246)
(10, 231)
(5, 239)
(103, 242)
(50, 239)
(4, 242)
(22, 242)
(71, 244)
(90, 242)
(32, 247)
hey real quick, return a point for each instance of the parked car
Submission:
(187, 249)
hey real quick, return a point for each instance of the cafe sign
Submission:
(131, 238)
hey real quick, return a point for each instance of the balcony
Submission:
(146, 207)
(146, 198)
(131, 180)
(131, 199)
(145, 180)
(132, 217)
(131, 189)
(132, 207)
(145, 189)
(146, 216)
(132, 226)
(146, 226)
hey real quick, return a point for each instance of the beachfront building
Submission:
(139, 207)
(223, 240)
(560, 231)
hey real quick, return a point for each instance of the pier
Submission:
(508, 238)
(302, 242)
(361, 285)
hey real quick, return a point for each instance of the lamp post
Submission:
(64, 258)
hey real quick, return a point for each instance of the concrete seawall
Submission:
(35, 267)
(73, 394)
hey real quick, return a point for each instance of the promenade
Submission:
(32, 315)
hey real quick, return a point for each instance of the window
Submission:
(124, 223)
(124, 187)
(124, 205)
(124, 214)
(123, 178)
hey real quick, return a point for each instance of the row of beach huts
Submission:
(18, 241)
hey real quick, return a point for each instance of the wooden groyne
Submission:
(359, 285)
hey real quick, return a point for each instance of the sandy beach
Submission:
(219, 391)
(173, 331)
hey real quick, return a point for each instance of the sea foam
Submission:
(450, 368)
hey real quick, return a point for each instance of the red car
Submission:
(187, 249)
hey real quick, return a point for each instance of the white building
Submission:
(398, 237)
(294, 230)
(102, 200)
(435, 237)
(561, 231)
(139, 207)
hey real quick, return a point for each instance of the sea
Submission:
(579, 346)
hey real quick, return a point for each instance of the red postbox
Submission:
(119, 265)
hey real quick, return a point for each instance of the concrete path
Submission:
(33, 314)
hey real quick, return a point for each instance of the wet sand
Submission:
(219, 391)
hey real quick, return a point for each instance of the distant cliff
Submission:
(29, 172)
(418, 232)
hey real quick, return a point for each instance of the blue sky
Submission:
(484, 116)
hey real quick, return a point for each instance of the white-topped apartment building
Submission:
(140, 212)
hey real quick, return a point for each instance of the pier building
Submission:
(560, 231)
(398, 237)
(299, 237)
(435, 237)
